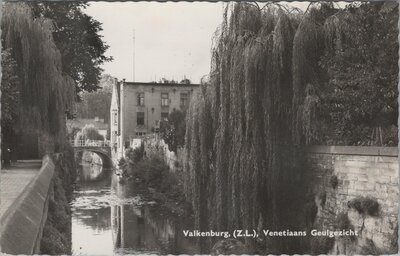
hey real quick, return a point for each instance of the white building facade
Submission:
(137, 108)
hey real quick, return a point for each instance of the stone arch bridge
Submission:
(100, 147)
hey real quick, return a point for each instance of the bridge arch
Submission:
(105, 156)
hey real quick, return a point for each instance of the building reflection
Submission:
(130, 229)
(148, 228)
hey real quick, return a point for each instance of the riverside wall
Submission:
(360, 172)
(23, 223)
(371, 172)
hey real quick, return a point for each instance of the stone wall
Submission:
(22, 225)
(337, 175)
(360, 172)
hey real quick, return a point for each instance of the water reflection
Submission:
(90, 167)
(110, 218)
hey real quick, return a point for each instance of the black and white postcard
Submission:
(213, 128)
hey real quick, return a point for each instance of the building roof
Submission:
(160, 84)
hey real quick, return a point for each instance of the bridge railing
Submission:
(90, 143)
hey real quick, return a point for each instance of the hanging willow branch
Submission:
(45, 92)
(251, 93)
(246, 128)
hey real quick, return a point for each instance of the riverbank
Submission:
(161, 185)
(56, 239)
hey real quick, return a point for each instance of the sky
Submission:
(172, 40)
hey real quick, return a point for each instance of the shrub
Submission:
(135, 155)
(365, 205)
(121, 162)
(151, 170)
(173, 130)
(333, 181)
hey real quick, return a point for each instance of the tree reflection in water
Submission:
(110, 218)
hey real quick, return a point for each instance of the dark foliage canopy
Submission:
(361, 60)
(98, 103)
(9, 91)
(172, 131)
(45, 93)
(76, 35)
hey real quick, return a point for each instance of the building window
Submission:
(140, 99)
(184, 99)
(115, 117)
(140, 118)
(114, 138)
(164, 100)
(164, 116)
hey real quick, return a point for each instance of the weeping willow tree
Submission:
(42, 99)
(9, 99)
(45, 93)
(264, 101)
(240, 134)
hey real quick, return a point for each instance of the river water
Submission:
(109, 218)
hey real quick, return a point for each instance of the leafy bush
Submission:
(151, 170)
(361, 94)
(121, 162)
(365, 205)
(173, 130)
(136, 154)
